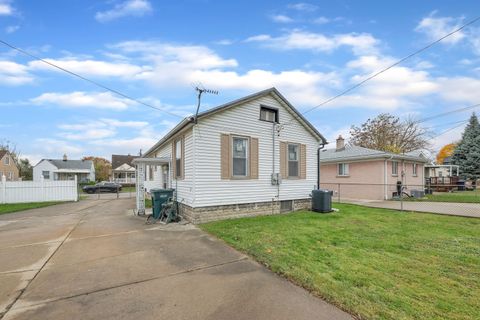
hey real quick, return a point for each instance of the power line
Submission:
(450, 129)
(392, 65)
(88, 80)
(448, 112)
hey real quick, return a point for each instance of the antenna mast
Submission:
(200, 91)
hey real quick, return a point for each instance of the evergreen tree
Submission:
(467, 153)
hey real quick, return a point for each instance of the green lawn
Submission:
(373, 263)
(14, 207)
(456, 196)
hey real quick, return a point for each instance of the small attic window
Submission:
(268, 114)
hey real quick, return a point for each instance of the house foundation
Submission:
(213, 213)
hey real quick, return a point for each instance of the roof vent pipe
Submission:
(65, 157)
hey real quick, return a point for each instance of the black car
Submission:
(103, 186)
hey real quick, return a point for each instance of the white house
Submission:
(255, 155)
(64, 169)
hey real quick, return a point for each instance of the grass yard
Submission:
(457, 196)
(14, 207)
(373, 263)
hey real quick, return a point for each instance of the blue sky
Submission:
(156, 51)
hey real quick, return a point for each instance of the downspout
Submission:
(385, 183)
(320, 147)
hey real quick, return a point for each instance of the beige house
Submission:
(354, 172)
(8, 167)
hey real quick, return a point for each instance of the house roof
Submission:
(2, 153)
(189, 120)
(71, 164)
(351, 152)
(119, 159)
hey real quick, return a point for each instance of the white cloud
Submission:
(180, 55)
(12, 73)
(302, 6)
(224, 42)
(321, 20)
(11, 29)
(437, 27)
(78, 99)
(397, 87)
(6, 8)
(360, 43)
(460, 89)
(135, 8)
(57, 148)
(91, 67)
(280, 18)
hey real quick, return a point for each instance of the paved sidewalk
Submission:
(447, 208)
(95, 260)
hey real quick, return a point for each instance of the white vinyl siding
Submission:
(183, 186)
(211, 190)
(343, 169)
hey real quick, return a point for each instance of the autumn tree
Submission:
(445, 152)
(103, 167)
(467, 153)
(388, 133)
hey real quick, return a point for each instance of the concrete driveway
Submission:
(95, 260)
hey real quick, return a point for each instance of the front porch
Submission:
(150, 173)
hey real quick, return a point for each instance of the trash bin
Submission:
(322, 200)
(159, 197)
(461, 185)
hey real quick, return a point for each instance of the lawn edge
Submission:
(279, 274)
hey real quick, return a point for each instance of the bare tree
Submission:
(388, 133)
(11, 148)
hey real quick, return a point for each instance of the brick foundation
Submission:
(212, 213)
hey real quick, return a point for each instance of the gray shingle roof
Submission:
(204, 114)
(71, 164)
(351, 152)
(119, 159)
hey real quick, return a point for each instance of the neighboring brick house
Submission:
(8, 167)
(361, 173)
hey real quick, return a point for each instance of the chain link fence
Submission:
(125, 192)
(462, 200)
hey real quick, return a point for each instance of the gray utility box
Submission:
(321, 200)
(417, 193)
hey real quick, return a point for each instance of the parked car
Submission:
(103, 186)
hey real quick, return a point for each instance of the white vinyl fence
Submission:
(37, 191)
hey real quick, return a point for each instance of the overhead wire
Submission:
(87, 79)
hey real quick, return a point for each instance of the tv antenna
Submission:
(201, 90)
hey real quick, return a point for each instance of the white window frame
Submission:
(414, 169)
(343, 169)
(6, 160)
(178, 158)
(395, 168)
(247, 155)
(297, 160)
(10, 175)
(48, 174)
